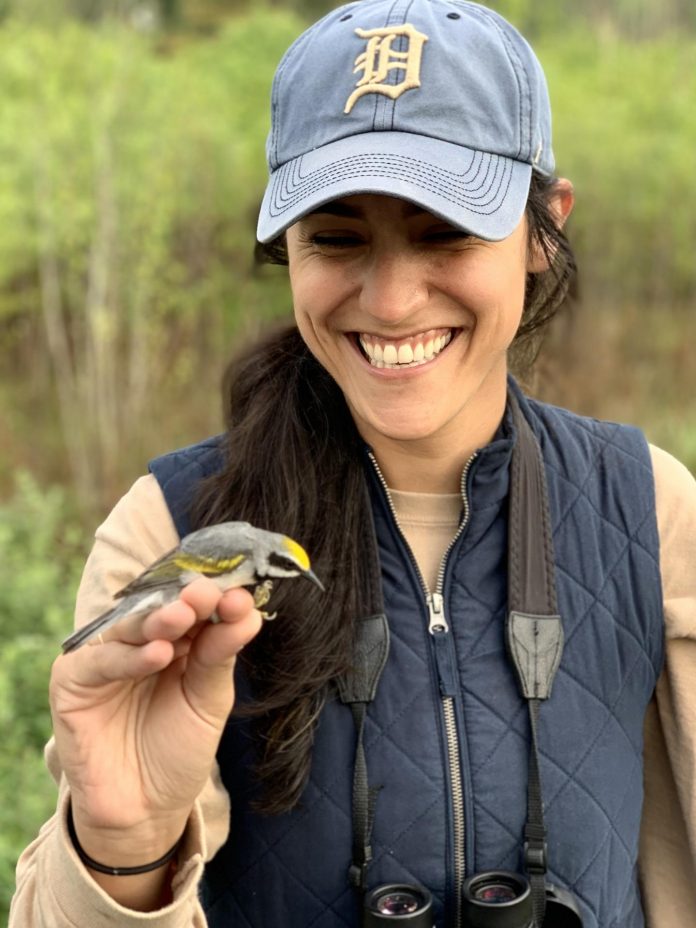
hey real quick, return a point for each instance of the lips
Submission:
(405, 352)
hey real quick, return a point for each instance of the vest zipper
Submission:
(447, 675)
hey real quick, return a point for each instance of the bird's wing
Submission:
(210, 566)
(163, 571)
(169, 568)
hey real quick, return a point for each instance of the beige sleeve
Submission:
(54, 890)
(668, 836)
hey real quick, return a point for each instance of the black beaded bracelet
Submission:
(115, 871)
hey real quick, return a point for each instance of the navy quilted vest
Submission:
(291, 870)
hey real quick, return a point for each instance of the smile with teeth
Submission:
(404, 352)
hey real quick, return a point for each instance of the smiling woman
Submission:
(549, 202)
(386, 274)
(492, 701)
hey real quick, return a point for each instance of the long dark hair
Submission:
(293, 463)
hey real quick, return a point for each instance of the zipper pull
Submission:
(436, 610)
(442, 646)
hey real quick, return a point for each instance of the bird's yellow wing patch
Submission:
(296, 552)
(211, 567)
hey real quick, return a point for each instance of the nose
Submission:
(393, 285)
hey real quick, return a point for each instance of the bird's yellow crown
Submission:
(296, 552)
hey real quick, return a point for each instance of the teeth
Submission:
(405, 354)
(408, 354)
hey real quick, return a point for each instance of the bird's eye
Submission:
(281, 562)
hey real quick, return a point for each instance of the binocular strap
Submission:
(534, 628)
(357, 689)
(534, 634)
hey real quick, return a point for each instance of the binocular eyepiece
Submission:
(497, 899)
(398, 903)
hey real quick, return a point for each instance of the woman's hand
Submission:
(138, 718)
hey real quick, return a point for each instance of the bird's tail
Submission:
(102, 622)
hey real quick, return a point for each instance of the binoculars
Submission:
(497, 899)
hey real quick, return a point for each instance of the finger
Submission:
(197, 601)
(232, 609)
(168, 623)
(210, 662)
(203, 596)
(218, 645)
(234, 605)
(85, 669)
(240, 622)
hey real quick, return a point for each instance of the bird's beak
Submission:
(310, 575)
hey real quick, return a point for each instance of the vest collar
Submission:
(488, 478)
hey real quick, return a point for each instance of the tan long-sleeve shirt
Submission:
(54, 890)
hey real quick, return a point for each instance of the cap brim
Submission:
(483, 193)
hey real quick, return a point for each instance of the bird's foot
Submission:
(262, 594)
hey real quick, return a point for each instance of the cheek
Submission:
(311, 309)
(305, 326)
(301, 286)
(511, 284)
(318, 296)
(494, 296)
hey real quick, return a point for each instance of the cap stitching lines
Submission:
(379, 99)
(294, 185)
(391, 104)
(499, 191)
(492, 191)
(458, 200)
(452, 179)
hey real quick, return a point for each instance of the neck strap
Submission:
(534, 628)
(534, 636)
(357, 689)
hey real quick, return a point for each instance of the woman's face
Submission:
(410, 316)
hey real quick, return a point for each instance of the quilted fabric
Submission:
(292, 869)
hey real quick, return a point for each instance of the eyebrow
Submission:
(346, 211)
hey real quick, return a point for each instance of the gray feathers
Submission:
(231, 554)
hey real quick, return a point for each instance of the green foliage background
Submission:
(131, 167)
(42, 549)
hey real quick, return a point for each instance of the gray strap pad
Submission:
(536, 644)
(369, 657)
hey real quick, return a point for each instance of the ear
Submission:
(561, 202)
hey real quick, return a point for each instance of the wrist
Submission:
(150, 845)
(109, 869)
(137, 884)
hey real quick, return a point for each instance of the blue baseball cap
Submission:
(440, 102)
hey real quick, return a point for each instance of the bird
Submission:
(232, 554)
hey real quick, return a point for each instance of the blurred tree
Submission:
(632, 18)
(128, 185)
(170, 12)
(129, 182)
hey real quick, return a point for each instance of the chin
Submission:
(406, 429)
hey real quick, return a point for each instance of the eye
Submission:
(328, 240)
(281, 561)
(447, 235)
